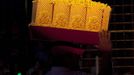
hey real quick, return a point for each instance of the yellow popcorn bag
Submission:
(94, 17)
(61, 14)
(44, 12)
(77, 16)
(106, 16)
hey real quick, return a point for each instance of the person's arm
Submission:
(105, 48)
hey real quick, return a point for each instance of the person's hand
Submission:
(106, 53)
(104, 41)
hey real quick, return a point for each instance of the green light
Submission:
(19, 73)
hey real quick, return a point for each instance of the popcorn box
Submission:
(79, 23)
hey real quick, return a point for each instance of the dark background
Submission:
(14, 34)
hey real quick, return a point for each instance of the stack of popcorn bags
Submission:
(85, 15)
